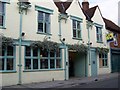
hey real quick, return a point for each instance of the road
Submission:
(108, 83)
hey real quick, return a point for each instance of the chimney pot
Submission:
(85, 5)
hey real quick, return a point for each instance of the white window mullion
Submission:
(43, 22)
(76, 30)
(49, 27)
(48, 58)
(5, 60)
(32, 59)
(39, 58)
(55, 59)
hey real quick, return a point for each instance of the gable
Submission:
(75, 9)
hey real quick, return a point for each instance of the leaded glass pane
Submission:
(27, 63)
(52, 63)
(40, 27)
(58, 63)
(40, 16)
(10, 64)
(44, 63)
(28, 51)
(10, 51)
(35, 63)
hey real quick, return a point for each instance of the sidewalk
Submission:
(66, 84)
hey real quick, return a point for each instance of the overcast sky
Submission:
(109, 8)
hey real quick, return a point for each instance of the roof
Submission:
(108, 23)
(62, 6)
(111, 26)
(89, 13)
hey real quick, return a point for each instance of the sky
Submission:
(109, 8)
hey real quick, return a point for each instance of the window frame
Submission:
(99, 34)
(99, 27)
(5, 57)
(47, 31)
(3, 14)
(47, 11)
(39, 58)
(104, 59)
(80, 20)
(77, 29)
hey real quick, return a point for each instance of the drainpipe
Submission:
(62, 41)
(23, 6)
(59, 27)
(20, 43)
(65, 64)
(88, 44)
(89, 24)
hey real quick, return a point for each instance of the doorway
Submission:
(71, 64)
(77, 64)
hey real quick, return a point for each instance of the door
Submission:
(115, 62)
(93, 63)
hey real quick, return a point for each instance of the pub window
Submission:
(7, 59)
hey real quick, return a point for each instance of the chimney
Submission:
(85, 5)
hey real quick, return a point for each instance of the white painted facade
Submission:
(12, 25)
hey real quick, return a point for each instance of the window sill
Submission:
(44, 33)
(104, 67)
(8, 71)
(99, 42)
(2, 27)
(77, 38)
(43, 70)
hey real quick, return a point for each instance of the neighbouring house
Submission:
(100, 60)
(112, 29)
(51, 40)
(115, 44)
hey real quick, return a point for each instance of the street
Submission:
(106, 83)
(109, 83)
(101, 81)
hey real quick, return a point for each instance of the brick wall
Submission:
(112, 43)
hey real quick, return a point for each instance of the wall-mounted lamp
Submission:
(63, 39)
(89, 43)
(23, 34)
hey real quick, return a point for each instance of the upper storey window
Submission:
(76, 27)
(43, 22)
(2, 14)
(43, 19)
(99, 35)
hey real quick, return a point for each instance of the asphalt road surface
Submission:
(108, 83)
